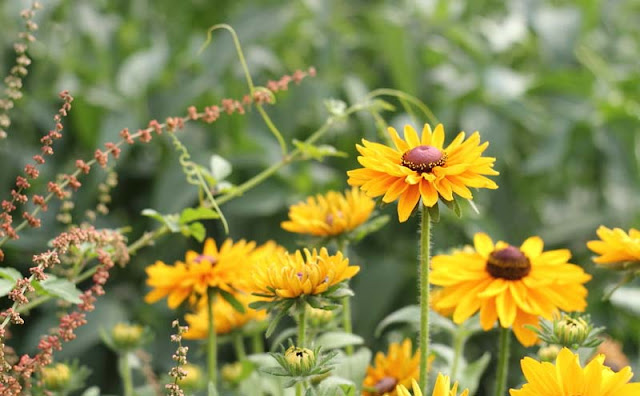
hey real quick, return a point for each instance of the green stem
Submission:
(257, 343)
(403, 96)
(212, 343)
(125, 373)
(302, 325)
(503, 360)
(346, 321)
(425, 241)
(458, 343)
(238, 345)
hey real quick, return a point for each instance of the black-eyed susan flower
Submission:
(330, 214)
(420, 167)
(513, 285)
(441, 388)
(399, 366)
(213, 268)
(568, 378)
(292, 275)
(227, 318)
(616, 248)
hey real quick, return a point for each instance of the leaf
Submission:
(169, 220)
(282, 312)
(6, 286)
(353, 367)
(277, 371)
(335, 107)
(335, 385)
(627, 298)
(318, 152)
(228, 297)
(453, 205)
(434, 213)
(471, 373)
(285, 334)
(409, 314)
(220, 167)
(370, 227)
(61, 288)
(211, 389)
(192, 214)
(197, 231)
(10, 273)
(92, 391)
(338, 339)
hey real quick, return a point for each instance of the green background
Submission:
(552, 85)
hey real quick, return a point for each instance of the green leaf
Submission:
(338, 339)
(285, 334)
(277, 371)
(10, 273)
(370, 227)
(318, 152)
(409, 314)
(192, 214)
(228, 297)
(335, 385)
(211, 389)
(434, 213)
(471, 373)
(61, 288)
(220, 167)
(6, 286)
(453, 205)
(170, 221)
(92, 391)
(353, 367)
(282, 312)
(197, 231)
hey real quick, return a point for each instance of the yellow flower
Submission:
(331, 214)
(514, 285)
(290, 275)
(616, 247)
(226, 317)
(420, 167)
(441, 388)
(213, 267)
(568, 378)
(398, 367)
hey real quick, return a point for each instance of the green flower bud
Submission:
(56, 377)
(193, 380)
(300, 360)
(571, 331)
(232, 372)
(318, 317)
(127, 337)
(548, 353)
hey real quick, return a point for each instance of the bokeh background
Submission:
(553, 85)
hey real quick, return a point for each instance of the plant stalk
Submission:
(503, 360)
(212, 343)
(125, 373)
(425, 241)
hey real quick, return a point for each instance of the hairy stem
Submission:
(212, 343)
(125, 373)
(503, 360)
(425, 241)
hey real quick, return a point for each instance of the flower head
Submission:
(213, 267)
(398, 367)
(441, 388)
(290, 275)
(616, 248)
(514, 285)
(227, 318)
(126, 336)
(421, 167)
(568, 378)
(330, 214)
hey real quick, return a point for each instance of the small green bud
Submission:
(127, 337)
(56, 377)
(318, 317)
(193, 380)
(548, 353)
(300, 360)
(571, 331)
(232, 372)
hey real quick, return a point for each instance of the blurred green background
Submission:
(553, 85)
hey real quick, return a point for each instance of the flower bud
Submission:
(571, 331)
(56, 377)
(299, 359)
(232, 372)
(193, 380)
(127, 337)
(548, 353)
(318, 317)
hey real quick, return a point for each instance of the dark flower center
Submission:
(423, 158)
(385, 385)
(508, 263)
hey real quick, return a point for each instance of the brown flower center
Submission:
(423, 158)
(385, 385)
(508, 263)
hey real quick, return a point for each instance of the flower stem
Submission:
(343, 247)
(238, 345)
(425, 241)
(503, 360)
(256, 343)
(302, 319)
(212, 346)
(125, 374)
(458, 343)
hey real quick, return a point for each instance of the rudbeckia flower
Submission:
(227, 318)
(420, 167)
(616, 247)
(441, 388)
(399, 366)
(213, 267)
(330, 214)
(291, 275)
(513, 285)
(568, 378)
